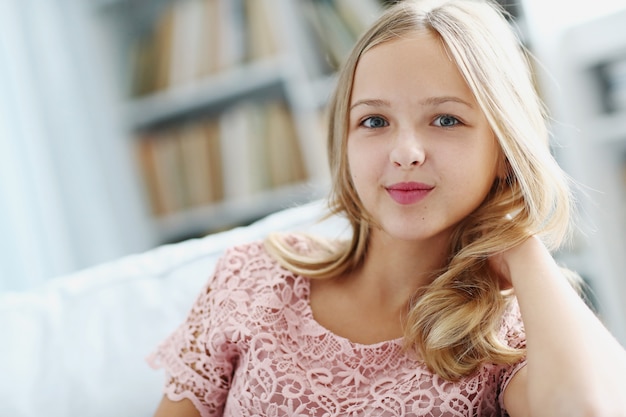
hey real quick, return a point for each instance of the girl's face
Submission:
(421, 153)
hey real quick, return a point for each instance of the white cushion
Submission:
(76, 347)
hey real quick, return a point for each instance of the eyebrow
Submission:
(430, 101)
(371, 102)
(433, 101)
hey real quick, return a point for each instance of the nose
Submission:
(407, 152)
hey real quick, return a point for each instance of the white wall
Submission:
(572, 101)
(66, 201)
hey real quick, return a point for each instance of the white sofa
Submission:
(76, 346)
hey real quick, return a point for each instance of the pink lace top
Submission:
(251, 347)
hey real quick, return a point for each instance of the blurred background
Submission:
(129, 124)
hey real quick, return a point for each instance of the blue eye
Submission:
(445, 120)
(374, 122)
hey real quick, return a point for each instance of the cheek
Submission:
(484, 176)
(354, 160)
(472, 173)
(363, 153)
(360, 166)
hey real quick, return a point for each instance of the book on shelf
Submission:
(147, 166)
(201, 163)
(330, 35)
(141, 54)
(232, 28)
(162, 48)
(192, 39)
(249, 148)
(260, 143)
(189, 39)
(209, 44)
(335, 25)
(262, 40)
(159, 161)
(244, 165)
(284, 154)
(358, 14)
(179, 168)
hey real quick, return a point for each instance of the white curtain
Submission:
(66, 198)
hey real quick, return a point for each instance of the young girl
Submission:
(446, 300)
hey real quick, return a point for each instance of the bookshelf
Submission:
(222, 102)
(593, 101)
(199, 84)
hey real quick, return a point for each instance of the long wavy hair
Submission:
(454, 322)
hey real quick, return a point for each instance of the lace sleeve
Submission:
(198, 357)
(515, 336)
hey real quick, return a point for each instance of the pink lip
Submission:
(408, 192)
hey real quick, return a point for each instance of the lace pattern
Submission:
(251, 347)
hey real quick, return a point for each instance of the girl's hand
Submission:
(532, 249)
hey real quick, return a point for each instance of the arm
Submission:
(199, 363)
(169, 408)
(575, 367)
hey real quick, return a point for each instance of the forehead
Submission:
(415, 65)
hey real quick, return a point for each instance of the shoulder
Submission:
(305, 248)
(248, 269)
(512, 328)
(300, 243)
(242, 265)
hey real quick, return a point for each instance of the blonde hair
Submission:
(454, 322)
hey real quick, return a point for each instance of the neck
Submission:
(394, 269)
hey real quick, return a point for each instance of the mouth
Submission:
(408, 192)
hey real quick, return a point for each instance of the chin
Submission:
(403, 233)
(411, 231)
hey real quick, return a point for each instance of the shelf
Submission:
(230, 213)
(107, 3)
(110, 5)
(215, 92)
(176, 111)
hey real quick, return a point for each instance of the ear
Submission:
(504, 167)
